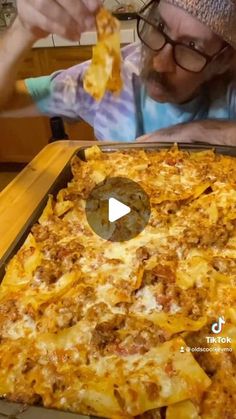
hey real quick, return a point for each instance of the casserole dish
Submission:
(150, 260)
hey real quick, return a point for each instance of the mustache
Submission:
(154, 76)
(148, 74)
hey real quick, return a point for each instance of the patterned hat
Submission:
(218, 15)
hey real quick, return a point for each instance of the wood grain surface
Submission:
(20, 198)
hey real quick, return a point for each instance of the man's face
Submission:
(165, 81)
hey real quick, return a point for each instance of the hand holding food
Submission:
(104, 71)
(66, 18)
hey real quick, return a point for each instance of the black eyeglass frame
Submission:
(168, 40)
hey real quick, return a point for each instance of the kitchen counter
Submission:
(128, 35)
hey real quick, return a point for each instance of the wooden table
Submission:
(20, 198)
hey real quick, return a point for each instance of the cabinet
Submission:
(59, 58)
(22, 138)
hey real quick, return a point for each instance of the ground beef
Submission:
(48, 273)
(40, 233)
(160, 273)
(142, 253)
(105, 332)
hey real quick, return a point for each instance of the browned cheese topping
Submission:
(96, 327)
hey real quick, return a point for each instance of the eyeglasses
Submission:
(150, 32)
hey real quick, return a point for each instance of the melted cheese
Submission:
(75, 307)
(146, 302)
(104, 71)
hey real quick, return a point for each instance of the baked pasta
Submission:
(104, 72)
(106, 329)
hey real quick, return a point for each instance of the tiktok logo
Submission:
(217, 326)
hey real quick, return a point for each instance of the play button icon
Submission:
(117, 209)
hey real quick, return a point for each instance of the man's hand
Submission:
(67, 18)
(207, 131)
(177, 133)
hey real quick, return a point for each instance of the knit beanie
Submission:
(218, 15)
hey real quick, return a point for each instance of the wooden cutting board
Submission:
(20, 198)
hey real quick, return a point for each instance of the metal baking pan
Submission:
(18, 411)
(66, 175)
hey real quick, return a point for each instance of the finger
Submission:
(56, 15)
(78, 12)
(141, 139)
(92, 5)
(36, 19)
(145, 138)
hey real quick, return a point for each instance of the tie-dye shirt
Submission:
(132, 113)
